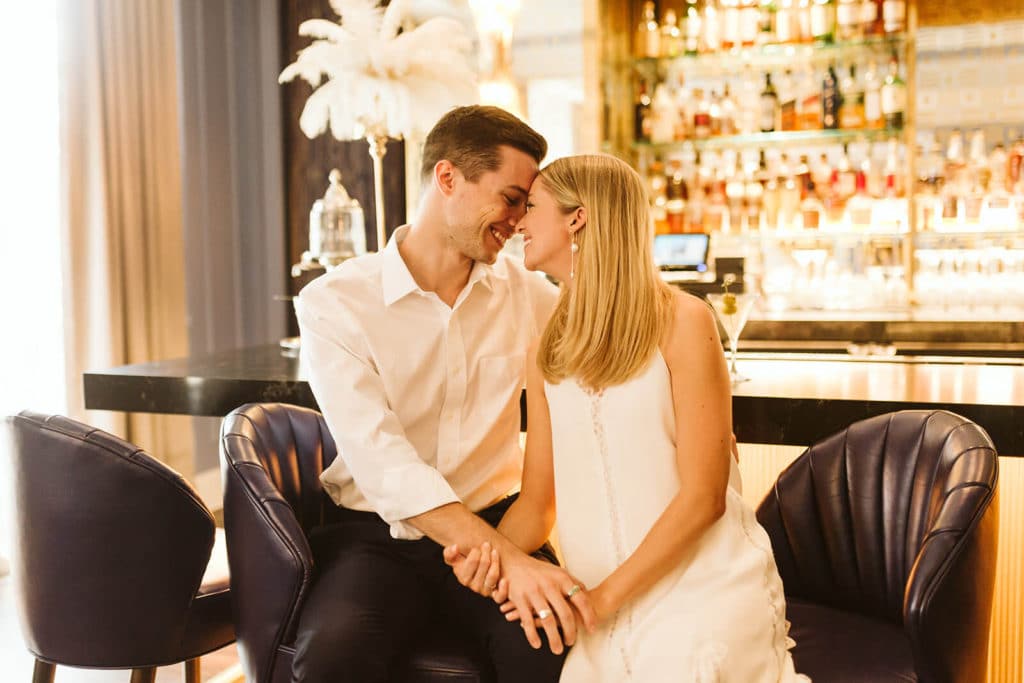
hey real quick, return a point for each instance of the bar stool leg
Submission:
(43, 672)
(192, 671)
(147, 675)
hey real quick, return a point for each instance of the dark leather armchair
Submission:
(111, 548)
(272, 455)
(885, 537)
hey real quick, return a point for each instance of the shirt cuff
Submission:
(410, 491)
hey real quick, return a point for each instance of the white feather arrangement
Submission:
(381, 82)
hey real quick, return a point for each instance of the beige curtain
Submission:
(121, 204)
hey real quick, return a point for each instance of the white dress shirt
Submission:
(422, 399)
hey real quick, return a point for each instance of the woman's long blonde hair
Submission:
(608, 323)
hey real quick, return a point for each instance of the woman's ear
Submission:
(578, 219)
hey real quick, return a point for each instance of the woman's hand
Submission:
(478, 570)
(597, 601)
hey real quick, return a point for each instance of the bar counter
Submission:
(792, 398)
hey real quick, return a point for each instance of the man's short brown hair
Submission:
(469, 137)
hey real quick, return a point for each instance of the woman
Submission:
(629, 431)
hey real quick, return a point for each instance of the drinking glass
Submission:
(732, 311)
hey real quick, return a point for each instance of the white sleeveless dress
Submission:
(719, 617)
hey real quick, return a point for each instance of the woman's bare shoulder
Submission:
(693, 327)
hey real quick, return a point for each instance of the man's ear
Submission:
(446, 176)
(578, 219)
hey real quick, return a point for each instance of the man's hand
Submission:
(479, 570)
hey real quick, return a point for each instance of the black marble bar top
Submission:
(791, 399)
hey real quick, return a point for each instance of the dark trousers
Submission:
(373, 595)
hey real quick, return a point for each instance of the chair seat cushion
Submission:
(209, 623)
(834, 646)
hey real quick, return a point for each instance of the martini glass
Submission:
(732, 311)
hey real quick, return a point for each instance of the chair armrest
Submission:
(948, 600)
(269, 556)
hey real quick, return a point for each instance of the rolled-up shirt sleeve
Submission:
(371, 441)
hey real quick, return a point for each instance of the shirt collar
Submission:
(397, 282)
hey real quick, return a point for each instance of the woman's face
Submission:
(546, 230)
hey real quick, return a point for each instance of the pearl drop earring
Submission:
(572, 257)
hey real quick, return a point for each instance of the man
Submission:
(416, 356)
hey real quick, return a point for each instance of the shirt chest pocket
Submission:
(499, 376)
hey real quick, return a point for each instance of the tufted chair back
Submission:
(894, 518)
(111, 550)
(273, 455)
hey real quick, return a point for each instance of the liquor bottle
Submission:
(997, 164)
(871, 17)
(701, 115)
(694, 27)
(823, 21)
(750, 16)
(714, 196)
(821, 172)
(811, 208)
(735, 189)
(998, 210)
(809, 94)
(769, 105)
(671, 36)
(656, 183)
(803, 175)
(860, 205)
(873, 177)
(748, 103)
(664, 115)
(712, 25)
(848, 20)
(954, 173)
(1015, 163)
(893, 176)
(844, 186)
(715, 114)
(766, 22)
(789, 195)
(729, 113)
(684, 106)
(803, 22)
(648, 35)
(787, 102)
(894, 96)
(642, 114)
(830, 99)
(978, 176)
(851, 109)
(894, 16)
(787, 27)
(676, 196)
(730, 18)
(873, 98)
(770, 197)
(753, 194)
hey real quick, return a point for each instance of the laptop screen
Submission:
(682, 252)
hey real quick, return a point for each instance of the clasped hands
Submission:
(547, 595)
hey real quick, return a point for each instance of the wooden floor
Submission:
(16, 662)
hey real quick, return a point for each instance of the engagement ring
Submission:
(544, 614)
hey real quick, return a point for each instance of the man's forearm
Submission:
(455, 524)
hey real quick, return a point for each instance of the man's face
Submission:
(482, 215)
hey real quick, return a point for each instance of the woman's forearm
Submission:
(527, 524)
(678, 528)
